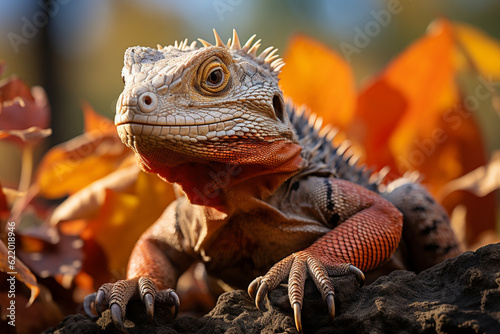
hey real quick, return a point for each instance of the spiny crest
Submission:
(325, 156)
(250, 48)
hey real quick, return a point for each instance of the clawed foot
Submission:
(296, 267)
(116, 296)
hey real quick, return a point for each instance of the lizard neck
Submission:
(226, 185)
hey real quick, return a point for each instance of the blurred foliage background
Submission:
(74, 49)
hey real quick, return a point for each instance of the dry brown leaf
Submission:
(30, 135)
(22, 108)
(481, 181)
(14, 267)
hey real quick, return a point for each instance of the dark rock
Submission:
(461, 295)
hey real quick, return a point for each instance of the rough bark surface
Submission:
(461, 295)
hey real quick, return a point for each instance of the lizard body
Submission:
(265, 193)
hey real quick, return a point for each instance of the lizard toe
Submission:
(101, 301)
(358, 273)
(117, 316)
(253, 287)
(147, 292)
(149, 302)
(89, 305)
(169, 297)
(261, 295)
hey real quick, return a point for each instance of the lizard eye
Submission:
(215, 75)
(215, 78)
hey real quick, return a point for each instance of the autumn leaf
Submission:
(73, 165)
(22, 108)
(320, 79)
(4, 206)
(409, 117)
(30, 135)
(49, 253)
(481, 50)
(481, 181)
(19, 271)
(124, 216)
(86, 203)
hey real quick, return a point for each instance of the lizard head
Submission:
(187, 111)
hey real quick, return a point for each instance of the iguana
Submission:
(265, 193)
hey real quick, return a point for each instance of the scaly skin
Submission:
(264, 193)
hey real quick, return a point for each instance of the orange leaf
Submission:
(95, 122)
(419, 84)
(73, 165)
(86, 203)
(10, 264)
(125, 216)
(319, 78)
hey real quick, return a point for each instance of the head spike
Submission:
(264, 53)
(218, 41)
(278, 67)
(184, 44)
(159, 46)
(192, 45)
(270, 57)
(248, 43)
(176, 45)
(205, 43)
(253, 50)
(236, 41)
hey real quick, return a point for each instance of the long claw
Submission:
(330, 301)
(116, 315)
(298, 316)
(253, 287)
(87, 305)
(261, 294)
(100, 303)
(150, 306)
(358, 273)
(176, 302)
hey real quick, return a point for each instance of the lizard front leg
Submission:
(368, 232)
(154, 267)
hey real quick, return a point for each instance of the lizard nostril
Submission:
(148, 102)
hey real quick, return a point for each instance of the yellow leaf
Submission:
(124, 216)
(481, 49)
(73, 165)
